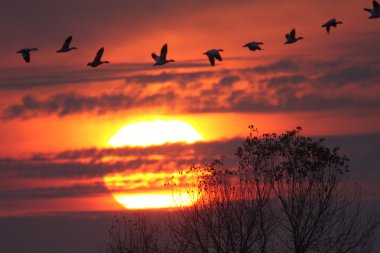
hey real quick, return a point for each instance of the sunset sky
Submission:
(57, 115)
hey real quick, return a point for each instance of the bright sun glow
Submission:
(147, 190)
(155, 132)
(154, 200)
(134, 191)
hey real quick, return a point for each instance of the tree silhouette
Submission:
(289, 193)
(137, 234)
(233, 212)
(318, 209)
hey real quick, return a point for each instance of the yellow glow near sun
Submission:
(128, 191)
(154, 200)
(147, 190)
(155, 132)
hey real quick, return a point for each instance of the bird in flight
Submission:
(214, 54)
(291, 37)
(253, 46)
(26, 53)
(66, 46)
(331, 23)
(375, 11)
(161, 60)
(98, 59)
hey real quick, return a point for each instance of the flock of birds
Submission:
(211, 54)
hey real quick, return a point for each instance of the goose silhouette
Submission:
(25, 52)
(66, 46)
(161, 60)
(98, 59)
(375, 11)
(214, 54)
(331, 23)
(253, 46)
(291, 37)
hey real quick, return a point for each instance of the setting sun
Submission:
(155, 132)
(154, 200)
(147, 190)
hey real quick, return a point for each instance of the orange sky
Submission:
(56, 105)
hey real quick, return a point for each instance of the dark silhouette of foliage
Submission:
(137, 234)
(232, 214)
(289, 193)
(317, 208)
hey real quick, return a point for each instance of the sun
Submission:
(147, 190)
(128, 189)
(155, 132)
(154, 200)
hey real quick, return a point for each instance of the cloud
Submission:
(71, 103)
(12, 79)
(91, 165)
(277, 66)
(284, 80)
(78, 190)
(68, 170)
(281, 86)
(229, 81)
(96, 163)
(165, 76)
(356, 74)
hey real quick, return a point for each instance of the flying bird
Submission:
(291, 37)
(253, 46)
(331, 23)
(212, 54)
(66, 46)
(375, 11)
(98, 59)
(161, 60)
(26, 53)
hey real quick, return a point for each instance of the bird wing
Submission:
(218, 56)
(328, 29)
(376, 6)
(211, 59)
(293, 33)
(155, 57)
(67, 42)
(26, 55)
(287, 36)
(99, 55)
(164, 51)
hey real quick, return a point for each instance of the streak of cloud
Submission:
(284, 87)
(77, 190)
(91, 165)
(96, 163)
